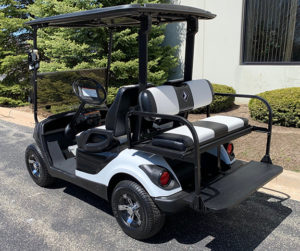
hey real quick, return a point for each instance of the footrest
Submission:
(237, 186)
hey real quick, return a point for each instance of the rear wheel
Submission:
(135, 211)
(36, 166)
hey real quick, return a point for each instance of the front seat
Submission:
(113, 133)
(126, 99)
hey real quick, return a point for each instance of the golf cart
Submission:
(142, 154)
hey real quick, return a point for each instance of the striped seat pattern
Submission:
(190, 95)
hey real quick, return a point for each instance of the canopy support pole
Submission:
(192, 29)
(34, 78)
(110, 44)
(145, 28)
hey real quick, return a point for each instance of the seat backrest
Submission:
(172, 100)
(126, 98)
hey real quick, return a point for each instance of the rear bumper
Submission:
(225, 192)
(176, 202)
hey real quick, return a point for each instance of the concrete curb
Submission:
(17, 117)
(285, 185)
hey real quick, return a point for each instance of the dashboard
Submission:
(90, 118)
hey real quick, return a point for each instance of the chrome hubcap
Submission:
(129, 211)
(34, 166)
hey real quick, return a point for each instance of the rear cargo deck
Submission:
(238, 185)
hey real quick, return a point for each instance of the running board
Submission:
(232, 189)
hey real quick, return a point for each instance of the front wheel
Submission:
(135, 211)
(36, 166)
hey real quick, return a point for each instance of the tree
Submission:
(13, 37)
(65, 49)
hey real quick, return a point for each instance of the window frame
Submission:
(243, 45)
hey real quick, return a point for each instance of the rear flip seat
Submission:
(190, 95)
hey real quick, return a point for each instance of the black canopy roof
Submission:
(123, 15)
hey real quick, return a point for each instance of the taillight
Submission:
(164, 178)
(229, 148)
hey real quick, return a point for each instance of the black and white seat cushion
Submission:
(207, 129)
(190, 95)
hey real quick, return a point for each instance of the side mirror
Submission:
(33, 59)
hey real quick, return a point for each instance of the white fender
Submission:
(128, 162)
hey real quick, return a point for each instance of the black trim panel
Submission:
(93, 163)
(173, 203)
(93, 187)
(219, 129)
(184, 97)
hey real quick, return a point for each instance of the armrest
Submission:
(95, 140)
(266, 158)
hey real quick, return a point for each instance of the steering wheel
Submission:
(89, 91)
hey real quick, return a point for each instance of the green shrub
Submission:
(285, 104)
(219, 104)
(9, 102)
(111, 95)
(16, 92)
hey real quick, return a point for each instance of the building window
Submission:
(271, 31)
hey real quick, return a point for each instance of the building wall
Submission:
(218, 52)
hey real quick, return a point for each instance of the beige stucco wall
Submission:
(218, 50)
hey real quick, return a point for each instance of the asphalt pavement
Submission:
(66, 217)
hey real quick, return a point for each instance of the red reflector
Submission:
(164, 178)
(230, 148)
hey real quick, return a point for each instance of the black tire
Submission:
(151, 218)
(36, 166)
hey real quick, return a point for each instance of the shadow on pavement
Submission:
(243, 227)
(83, 195)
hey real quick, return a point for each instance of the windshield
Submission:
(55, 93)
